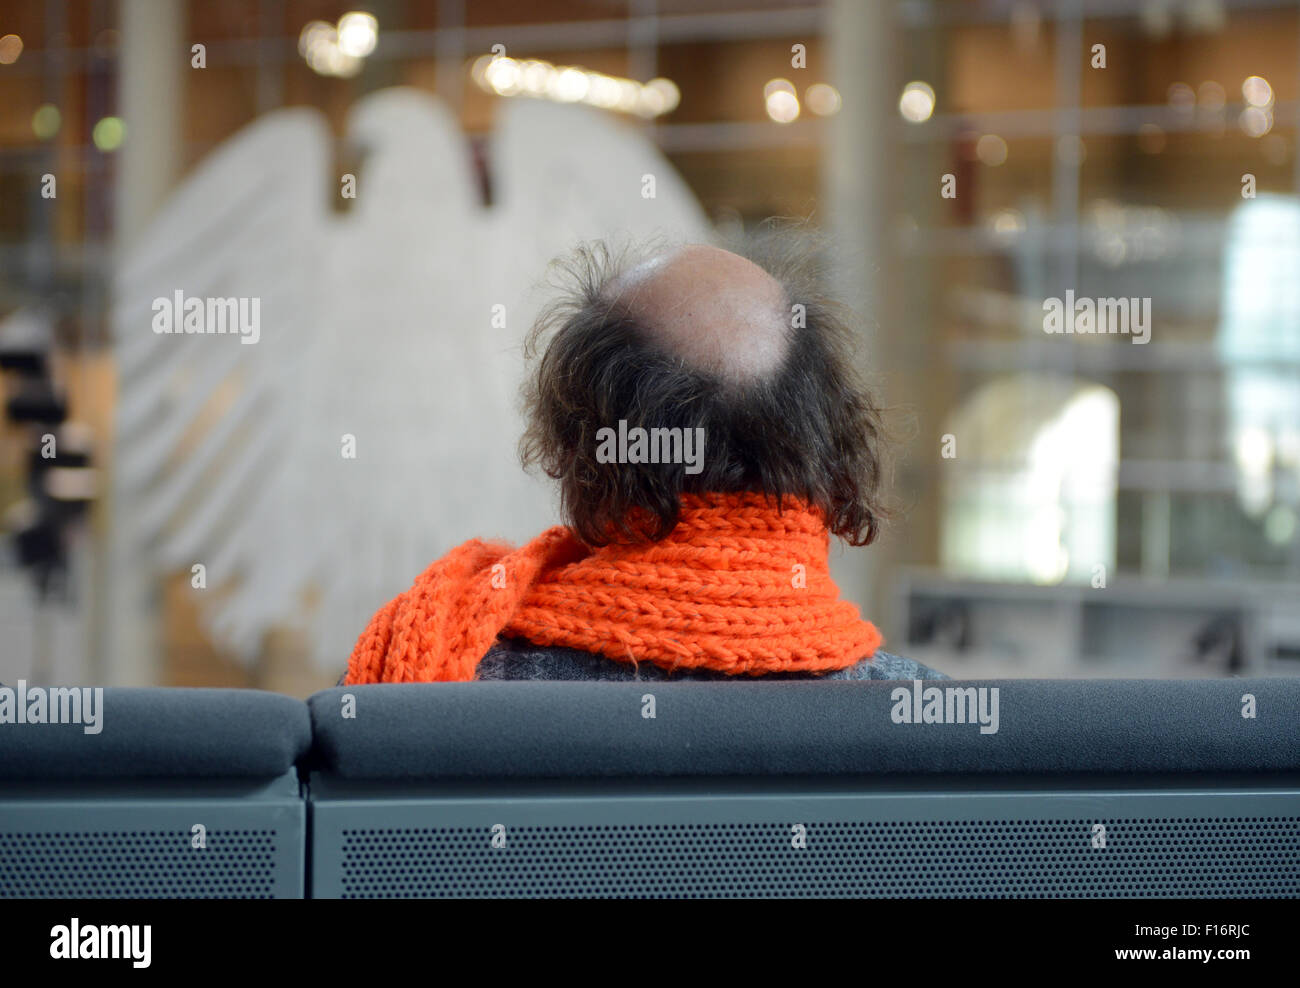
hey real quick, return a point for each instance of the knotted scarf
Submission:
(737, 587)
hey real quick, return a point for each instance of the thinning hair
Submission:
(810, 430)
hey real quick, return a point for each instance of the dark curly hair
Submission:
(809, 431)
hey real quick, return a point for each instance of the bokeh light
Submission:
(11, 46)
(822, 99)
(780, 101)
(109, 133)
(991, 149)
(917, 102)
(46, 121)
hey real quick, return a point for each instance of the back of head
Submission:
(737, 368)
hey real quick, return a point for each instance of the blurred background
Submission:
(389, 179)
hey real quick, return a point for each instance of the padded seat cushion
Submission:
(165, 733)
(553, 730)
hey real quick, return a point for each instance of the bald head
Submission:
(699, 341)
(713, 309)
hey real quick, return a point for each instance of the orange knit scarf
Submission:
(737, 587)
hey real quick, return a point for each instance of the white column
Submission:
(855, 206)
(153, 58)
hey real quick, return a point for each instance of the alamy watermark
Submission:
(1099, 316)
(178, 314)
(102, 942)
(638, 445)
(53, 705)
(946, 705)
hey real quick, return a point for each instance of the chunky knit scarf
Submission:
(736, 587)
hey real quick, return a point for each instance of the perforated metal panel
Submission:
(140, 845)
(887, 849)
(138, 864)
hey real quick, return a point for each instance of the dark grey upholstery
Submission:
(551, 730)
(165, 733)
